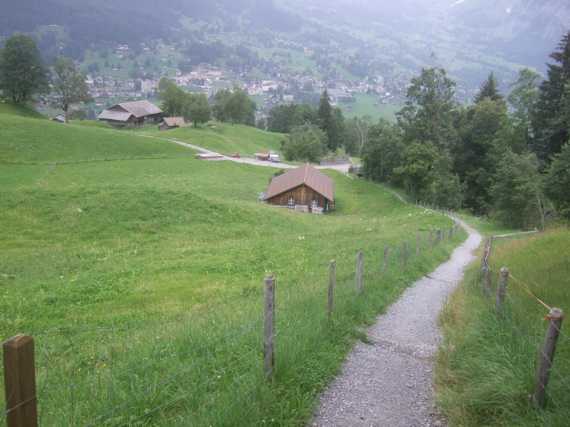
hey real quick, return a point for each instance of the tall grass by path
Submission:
(487, 368)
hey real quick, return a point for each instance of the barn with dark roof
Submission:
(304, 187)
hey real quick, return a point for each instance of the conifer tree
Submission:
(549, 125)
(489, 90)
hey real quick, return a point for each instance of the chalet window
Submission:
(291, 203)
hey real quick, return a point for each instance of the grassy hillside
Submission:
(27, 140)
(225, 138)
(141, 278)
(18, 110)
(487, 368)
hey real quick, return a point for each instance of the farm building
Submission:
(135, 113)
(172, 123)
(303, 189)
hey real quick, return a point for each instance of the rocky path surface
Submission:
(388, 381)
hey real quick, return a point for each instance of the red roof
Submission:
(306, 175)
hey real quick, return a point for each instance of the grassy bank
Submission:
(141, 278)
(487, 366)
(225, 138)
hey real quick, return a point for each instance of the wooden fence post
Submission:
(546, 356)
(418, 244)
(405, 254)
(332, 285)
(502, 290)
(486, 268)
(359, 272)
(386, 257)
(269, 328)
(20, 382)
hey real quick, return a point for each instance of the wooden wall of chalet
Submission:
(302, 195)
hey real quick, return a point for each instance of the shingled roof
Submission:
(306, 175)
(140, 108)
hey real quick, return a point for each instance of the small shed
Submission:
(302, 189)
(172, 123)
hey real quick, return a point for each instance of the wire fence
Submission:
(132, 373)
(517, 302)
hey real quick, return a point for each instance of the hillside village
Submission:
(280, 86)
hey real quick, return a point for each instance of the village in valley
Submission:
(119, 75)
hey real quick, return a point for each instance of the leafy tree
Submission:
(445, 189)
(483, 142)
(384, 151)
(306, 143)
(357, 135)
(283, 118)
(489, 90)
(550, 130)
(235, 107)
(69, 85)
(428, 114)
(22, 73)
(174, 100)
(517, 191)
(558, 182)
(415, 173)
(523, 99)
(198, 109)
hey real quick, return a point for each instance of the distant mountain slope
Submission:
(524, 30)
(129, 21)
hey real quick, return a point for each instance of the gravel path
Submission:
(245, 160)
(388, 382)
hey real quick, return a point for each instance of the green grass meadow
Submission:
(487, 367)
(225, 138)
(139, 271)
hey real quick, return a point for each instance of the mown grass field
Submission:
(225, 138)
(139, 271)
(367, 105)
(487, 367)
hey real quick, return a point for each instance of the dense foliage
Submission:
(68, 85)
(486, 157)
(306, 143)
(22, 73)
(234, 106)
(179, 103)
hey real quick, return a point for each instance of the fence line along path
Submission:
(388, 381)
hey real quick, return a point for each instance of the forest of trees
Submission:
(505, 155)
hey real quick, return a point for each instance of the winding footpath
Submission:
(388, 381)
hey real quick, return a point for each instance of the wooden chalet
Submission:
(303, 189)
(131, 114)
(172, 123)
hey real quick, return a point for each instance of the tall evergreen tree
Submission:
(22, 73)
(489, 89)
(550, 130)
(326, 117)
